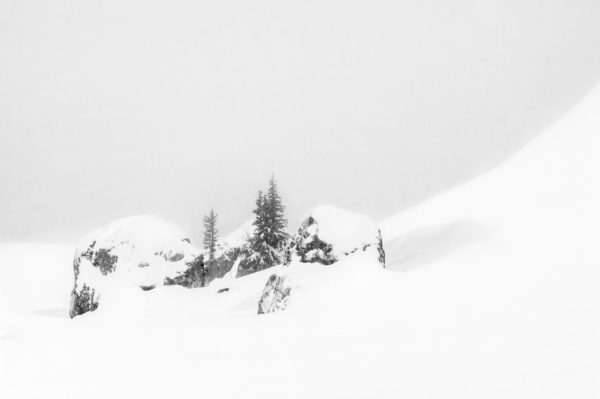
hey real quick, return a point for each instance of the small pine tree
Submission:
(258, 245)
(211, 234)
(276, 235)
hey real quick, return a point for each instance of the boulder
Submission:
(137, 253)
(275, 295)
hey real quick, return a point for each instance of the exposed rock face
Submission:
(133, 253)
(327, 234)
(309, 247)
(275, 295)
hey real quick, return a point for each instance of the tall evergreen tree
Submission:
(211, 234)
(269, 240)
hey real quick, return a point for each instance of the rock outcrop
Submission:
(326, 236)
(137, 253)
(310, 247)
(328, 233)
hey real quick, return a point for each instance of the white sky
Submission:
(114, 108)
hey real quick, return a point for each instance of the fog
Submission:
(116, 108)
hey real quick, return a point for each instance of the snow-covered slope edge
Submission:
(547, 192)
(510, 261)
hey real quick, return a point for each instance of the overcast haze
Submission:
(114, 108)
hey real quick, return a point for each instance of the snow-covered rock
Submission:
(275, 295)
(328, 233)
(139, 252)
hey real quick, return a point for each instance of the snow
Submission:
(240, 235)
(35, 277)
(140, 240)
(490, 292)
(344, 230)
(145, 234)
(509, 262)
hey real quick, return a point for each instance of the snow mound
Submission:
(329, 233)
(139, 252)
(147, 234)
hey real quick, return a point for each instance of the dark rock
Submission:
(309, 247)
(329, 234)
(380, 249)
(104, 261)
(275, 295)
(175, 257)
(83, 301)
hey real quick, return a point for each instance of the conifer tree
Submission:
(257, 242)
(211, 234)
(260, 222)
(269, 240)
(276, 235)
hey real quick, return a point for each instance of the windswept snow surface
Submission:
(510, 263)
(498, 299)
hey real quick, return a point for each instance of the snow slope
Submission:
(516, 252)
(498, 299)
